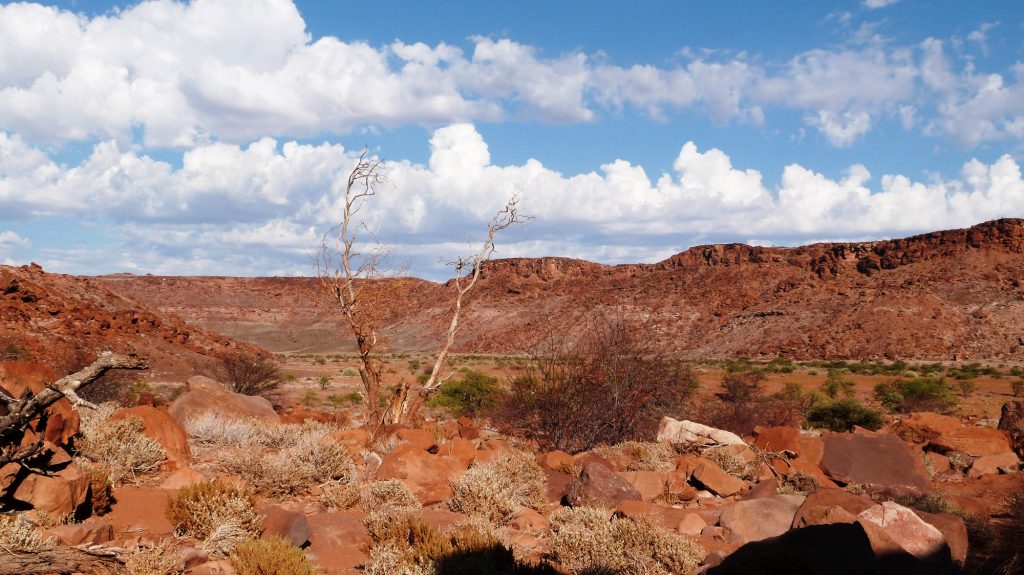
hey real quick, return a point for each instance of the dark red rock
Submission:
(872, 459)
(599, 486)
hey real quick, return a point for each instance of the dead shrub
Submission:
(410, 546)
(198, 510)
(731, 463)
(18, 535)
(606, 388)
(590, 540)
(639, 456)
(101, 492)
(121, 446)
(159, 559)
(270, 556)
(339, 495)
(389, 493)
(293, 470)
(495, 489)
(798, 483)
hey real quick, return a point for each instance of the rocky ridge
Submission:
(945, 295)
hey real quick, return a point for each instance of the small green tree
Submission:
(836, 384)
(467, 395)
(324, 381)
(842, 415)
(966, 387)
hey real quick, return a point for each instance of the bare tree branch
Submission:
(467, 272)
(29, 407)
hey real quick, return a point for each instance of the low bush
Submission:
(101, 492)
(842, 415)
(270, 556)
(606, 388)
(198, 510)
(731, 463)
(248, 373)
(917, 394)
(1009, 540)
(468, 395)
(339, 495)
(495, 489)
(589, 540)
(294, 469)
(836, 384)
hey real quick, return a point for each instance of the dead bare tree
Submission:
(29, 407)
(344, 272)
(467, 271)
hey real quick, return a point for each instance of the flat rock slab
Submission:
(879, 459)
(337, 540)
(757, 519)
(139, 507)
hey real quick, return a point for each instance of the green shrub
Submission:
(324, 381)
(842, 414)
(834, 384)
(469, 395)
(917, 394)
(270, 556)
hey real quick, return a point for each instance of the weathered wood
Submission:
(28, 407)
(59, 560)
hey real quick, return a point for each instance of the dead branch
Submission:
(61, 560)
(32, 407)
(342, 270)
(467, 272)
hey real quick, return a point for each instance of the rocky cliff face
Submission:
(942, 295)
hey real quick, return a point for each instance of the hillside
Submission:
(944, 295)
(65, 320)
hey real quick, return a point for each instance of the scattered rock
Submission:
(599, 486)
(691, 525)
(756, 519)
(58, 494)
(822, 508)
(991, 464)
(91, 531)
(685, 431)
(428, 475)
(556, 460)
(337, 540)
(528, 520)
(462, 449)
(905, 528)
(286, 523)
(953, 531)
(944, 433)
(806, 447)
(717, 481)
(879, 459)
(650, 484)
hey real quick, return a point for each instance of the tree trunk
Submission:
(59, 560)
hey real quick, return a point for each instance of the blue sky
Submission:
(210, 137)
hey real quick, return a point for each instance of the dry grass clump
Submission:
(120, 445)
(293, 470)
(157, 559)
(639, 456)
(213, 429)
(590, 540)
(388, 501)
(339, 495)
(409, 546)
(798, 483)
(18, 535)
(495, 489)
(271, 556)
(731, 463)
(199, 510)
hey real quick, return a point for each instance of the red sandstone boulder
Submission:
(462, 449)
(880, 459)
(992, 464)
(953, 531)
(599, 486)
(556, 460)
(944, 433)
(92, 531)
(206, 394)
(757, 519)
(649, 484)
(717, 481)
(60, 492)
(822, 508)
(159, 427)
(428, 475)
(806, 447)
(286, 523)
(905, 528)
(338, 541)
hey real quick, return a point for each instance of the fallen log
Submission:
(60, 560)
